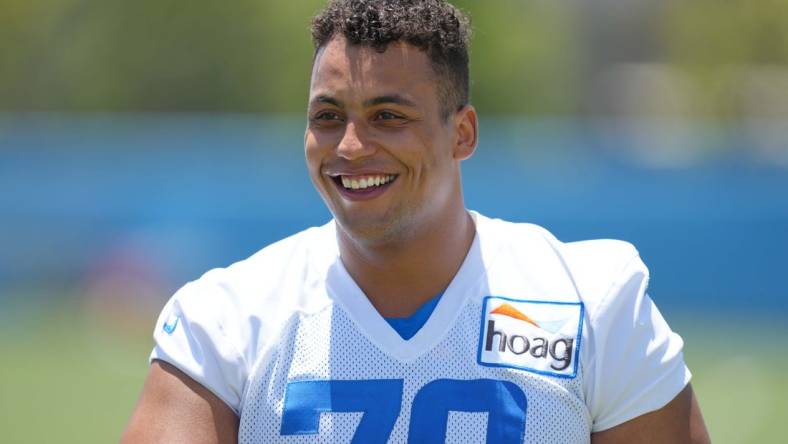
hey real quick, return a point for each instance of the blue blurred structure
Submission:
(186, 193)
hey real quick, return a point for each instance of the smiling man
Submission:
(408, 318)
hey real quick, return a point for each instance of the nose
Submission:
(354, 143)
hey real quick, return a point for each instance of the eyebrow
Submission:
(322, 98)
(388, 98)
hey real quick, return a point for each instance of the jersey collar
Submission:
(469, 280)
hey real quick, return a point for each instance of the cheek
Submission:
(321, 143)
(435, 152)
(411, 147)
(314, 153)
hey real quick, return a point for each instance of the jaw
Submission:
(395, 212)
(371, 231)
(372, 216)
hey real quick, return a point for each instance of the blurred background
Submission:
(143, 143)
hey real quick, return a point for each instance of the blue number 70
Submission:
(380, 400)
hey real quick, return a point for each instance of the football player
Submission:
(408, 318)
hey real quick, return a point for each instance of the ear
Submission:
(466, 127)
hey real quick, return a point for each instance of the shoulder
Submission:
(599, 265)
(630, 360)
(214, 328)
(271, 273)
(587, 269)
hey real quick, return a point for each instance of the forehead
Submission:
(356, 71)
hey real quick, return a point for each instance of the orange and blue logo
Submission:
(552, 325)
(537, 336)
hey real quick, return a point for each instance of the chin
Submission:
(372, 232)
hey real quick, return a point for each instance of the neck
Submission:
(398, 277)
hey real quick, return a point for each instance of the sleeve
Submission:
(637, 364)
(189, 334)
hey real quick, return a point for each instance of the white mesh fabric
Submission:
(327, 345)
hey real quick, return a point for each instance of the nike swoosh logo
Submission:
(170, 325)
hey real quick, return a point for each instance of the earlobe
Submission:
(467, 129)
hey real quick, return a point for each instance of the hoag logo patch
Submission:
(538, 336)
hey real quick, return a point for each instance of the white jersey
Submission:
(534, 341)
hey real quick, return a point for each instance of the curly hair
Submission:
(434, 26)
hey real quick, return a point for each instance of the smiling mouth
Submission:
(363, 184)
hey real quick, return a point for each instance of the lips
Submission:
(362, 186)
(365, 181)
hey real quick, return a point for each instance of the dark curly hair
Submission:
(434, 26)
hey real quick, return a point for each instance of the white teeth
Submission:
(365, 182)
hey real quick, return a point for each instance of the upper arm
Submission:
(633, 361)
(173, 408)
(678, 422)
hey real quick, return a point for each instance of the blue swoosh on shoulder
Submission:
(169, 326)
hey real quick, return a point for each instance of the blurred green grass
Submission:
(738, 368)
(69, 377)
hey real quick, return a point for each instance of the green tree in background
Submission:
(528, 57)
(247, 56)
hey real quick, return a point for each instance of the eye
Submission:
(326, 116)
(387, 115)
(326, 119)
